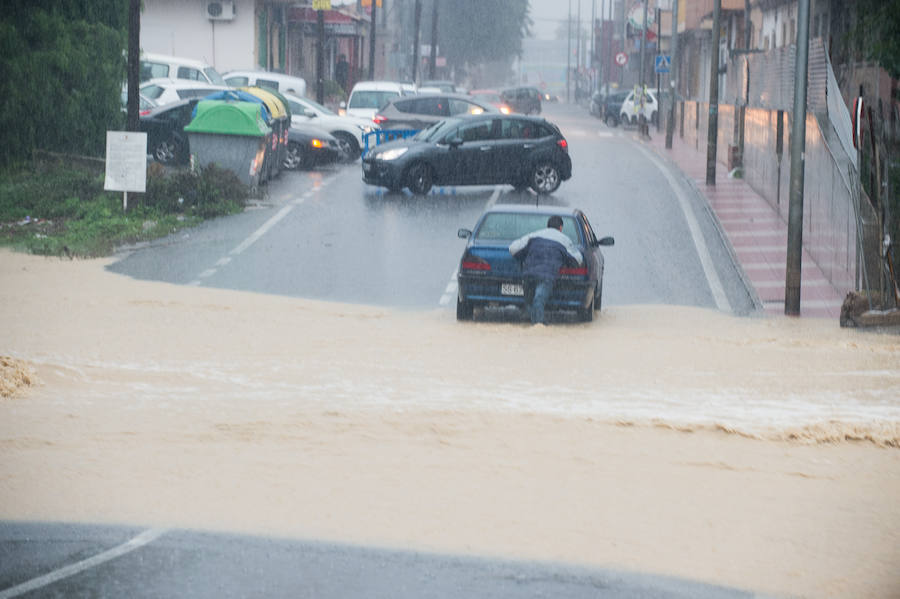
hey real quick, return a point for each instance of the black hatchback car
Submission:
(164, 125)
(485, 149)
(419, 112)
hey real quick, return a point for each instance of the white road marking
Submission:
(256, 235)
(146, 537)
(452, 286)
(712, 277)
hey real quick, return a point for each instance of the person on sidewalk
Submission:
(542, 253)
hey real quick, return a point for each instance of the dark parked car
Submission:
(607, 106)
(166, 140)
(486, 149)
(525, 100)
(490, 276)
(310, 146)
(419, 112)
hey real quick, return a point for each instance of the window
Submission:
(371, 99)
(190, 74)
(267, 83)
(514, 129)
(479, 131)
(511, 226)
(152, 70)
(237, 81)
(152, 91)
(463, 107)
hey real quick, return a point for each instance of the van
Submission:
(284, 84)
(367, 97)
(163, 66)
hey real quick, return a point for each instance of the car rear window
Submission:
(237, 81)
(152, 91)
(371, 99)
(508, 226)
(267, 83)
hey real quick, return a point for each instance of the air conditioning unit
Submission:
(220, 11)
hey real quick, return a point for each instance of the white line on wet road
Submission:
(146, 537)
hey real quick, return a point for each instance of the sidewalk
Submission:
(756, 232)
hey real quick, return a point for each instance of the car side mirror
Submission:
(605, 241)
(309, 114)
(464, 233)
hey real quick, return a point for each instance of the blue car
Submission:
(490, 276)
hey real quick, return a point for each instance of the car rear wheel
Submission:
(464, 310)
(419, 178)
(611, 120)
(587, 314)
(348, 146)
(545, 178)
(166, 151)
(294, 157)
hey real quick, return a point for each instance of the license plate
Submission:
(511, 289)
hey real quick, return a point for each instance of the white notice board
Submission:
(126, 161)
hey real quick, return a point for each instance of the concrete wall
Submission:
(182, 28)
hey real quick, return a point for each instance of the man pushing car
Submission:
(542, 253)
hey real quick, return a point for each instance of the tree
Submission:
(64, 66)
(877, 33)
(483, 31)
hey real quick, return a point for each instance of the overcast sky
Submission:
(548, 14)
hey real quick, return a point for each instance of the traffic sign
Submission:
(663, 63)
(621, 59)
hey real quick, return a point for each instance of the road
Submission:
(327, 236)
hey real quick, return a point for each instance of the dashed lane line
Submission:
(256, 235)
(146, 537)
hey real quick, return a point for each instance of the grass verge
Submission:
(62, 209)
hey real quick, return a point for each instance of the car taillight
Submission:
(581, 270)
(379, 119)
(470, 262)
(562, 143)
(317, 143)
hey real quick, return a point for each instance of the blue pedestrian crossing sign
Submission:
(663, 63)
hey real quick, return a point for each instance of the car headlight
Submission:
(392, 154)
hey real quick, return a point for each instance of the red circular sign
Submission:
(621, 59)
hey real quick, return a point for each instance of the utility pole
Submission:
(417, 20)
(569, 57)
(673, 77)
(432, 60)
(134, 66)
(798, 161)
(713, 128)
(593, 61)
(372, 41)
(658, 52)
(641, 118)
(320, 56)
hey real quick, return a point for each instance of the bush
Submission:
(62, 210)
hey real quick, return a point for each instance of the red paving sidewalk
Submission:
(756, 231)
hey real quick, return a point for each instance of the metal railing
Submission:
(380, 136)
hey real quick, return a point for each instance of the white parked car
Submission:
(164, 91)
(367, 97)
(631, 110)
(163, 66)
(284, 84)
(348, 130)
